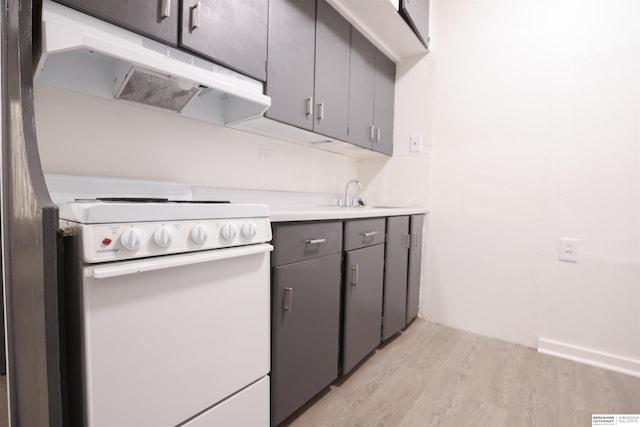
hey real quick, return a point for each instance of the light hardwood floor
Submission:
(432, 375)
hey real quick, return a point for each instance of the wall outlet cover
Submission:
(569, 249)
(415, 143)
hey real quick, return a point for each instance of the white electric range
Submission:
(167, 305)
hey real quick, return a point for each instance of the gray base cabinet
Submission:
(154, 19)
(415, 267)
(363, 281)
(394, 306)
(306, 285)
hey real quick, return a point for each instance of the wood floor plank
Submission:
(432, 375)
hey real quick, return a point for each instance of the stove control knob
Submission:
(199, 234)
(133, 239)
(229, 231)
(249, 230)
(163, 236)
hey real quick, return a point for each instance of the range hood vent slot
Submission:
(87, 55)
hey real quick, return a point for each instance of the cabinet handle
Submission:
(377, 134)
(309, 106)
(321, 111)
(315, 241)
(354, 276)
(371, 133)
(370, 233)
(166, 9)
(288, 300)
(406, 241)
(195, 16)
(414, 239)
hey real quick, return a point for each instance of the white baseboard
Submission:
(589, 356)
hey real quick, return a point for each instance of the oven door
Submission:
(164, 339)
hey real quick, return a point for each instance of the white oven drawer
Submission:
(165, 343)
(248, 408)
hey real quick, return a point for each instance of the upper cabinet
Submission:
(154, 19)
(381, 22)
(371, 96)
(290, 61)
(308, 66)
(233, 33)
(416, 13)
(331, 81)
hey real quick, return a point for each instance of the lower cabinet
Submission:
(363, 280)
(338, 289)
(415, 266)
(305, 334)
(394, 306)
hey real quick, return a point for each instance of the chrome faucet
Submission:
(346, 193)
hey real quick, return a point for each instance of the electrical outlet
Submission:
(415, 143)
(266, 154)
(569, 250)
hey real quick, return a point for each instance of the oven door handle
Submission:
(159, 263)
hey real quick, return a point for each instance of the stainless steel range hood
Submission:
(88, 55)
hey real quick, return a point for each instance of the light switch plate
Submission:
(569, 250)
(415, 143)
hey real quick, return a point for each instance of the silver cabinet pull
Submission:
(309, 106)
(414, 239)
(370, 233)
(354, 276)
(406, 241)
(288, 300)
(321, 111)
(195, 16)
(377, 134)
(371, 132)
(315, 241)
(166, 9)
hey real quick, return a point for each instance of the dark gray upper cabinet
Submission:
(156, 19)
(415, 267)
(361, 90)
(333, 34)
(371, 96)
(416, 13)
(233, 33)
(308, 66)
(394, 306)
(383, 105)
(290, 66)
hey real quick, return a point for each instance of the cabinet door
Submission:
(305, 332)
(416, 13)
(361, 86)
(362, 304)
(290, 61)
(155, 19)
(233, 33)
(383, 106)
(333, 37)
(394, 306)
(415, 267)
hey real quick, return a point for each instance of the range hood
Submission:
(87, 55)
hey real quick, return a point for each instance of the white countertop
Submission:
(311, 213)
(294, 206)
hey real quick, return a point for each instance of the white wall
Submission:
(536, 136)
(81, 134)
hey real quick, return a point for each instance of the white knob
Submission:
(133, 239)
(229, 231)
(249, 230)
(199, 234)
(163, 236)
